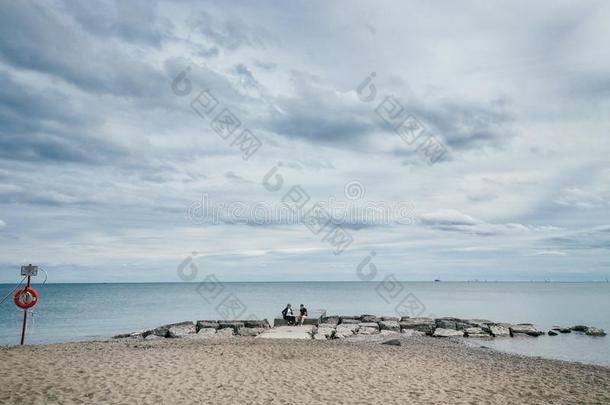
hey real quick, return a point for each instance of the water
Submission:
(72, 312)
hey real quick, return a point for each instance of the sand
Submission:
(249, 371)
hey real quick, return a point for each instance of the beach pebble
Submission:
(593, 331)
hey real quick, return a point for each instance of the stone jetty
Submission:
(344, 327)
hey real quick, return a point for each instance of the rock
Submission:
(479, 322)
(326, 325)
(387, 332)
(349, 321)
(579, 328)
(207, 324)
(367, 330)
(526, 329)
(390, 318)
(555, 327)
(441, 332)
(368, 318)
(445, 324)
(206, 332)
(319, 337)
(412, 332)
(257, 323)
(153, 337)
(345, 330)
(389, 325)
(552, 333)
(224, 332)
(404, 318)
(178, 331)
(324, 333)
(473, 330)
(565, 330)
(392, 342)
(164, 329)
(245, 331)
(235, 325)
(426, 325)
(373, 325)
(593, 331)
(333, 319)
(344, 317)
(498, 330)
(132, 335)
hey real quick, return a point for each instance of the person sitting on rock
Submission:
(303, 315)
(288, 315)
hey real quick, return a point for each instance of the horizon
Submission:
(305, 141)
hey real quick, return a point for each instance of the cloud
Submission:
(448, 217)
(2, 224)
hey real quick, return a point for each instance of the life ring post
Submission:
(25, 316)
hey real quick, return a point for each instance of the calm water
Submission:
(68, 312)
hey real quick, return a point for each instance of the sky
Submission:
(461, 141)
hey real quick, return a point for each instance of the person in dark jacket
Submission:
(288, 315)
(302, 315)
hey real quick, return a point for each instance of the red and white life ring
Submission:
(26, 297)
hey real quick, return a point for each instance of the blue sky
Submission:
(104, 162)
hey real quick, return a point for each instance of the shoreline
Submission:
(244, 369)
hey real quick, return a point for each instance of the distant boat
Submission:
(437, 280)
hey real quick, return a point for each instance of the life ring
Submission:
(26, 297)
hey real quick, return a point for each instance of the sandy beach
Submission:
(254, 371)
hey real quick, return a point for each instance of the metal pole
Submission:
(25, 318)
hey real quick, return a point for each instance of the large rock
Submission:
(565, 330)
(593, 331)
(579, 328)
(475, 332)
(525, 329)
(327, 325)
(391, 342)
(153, 337)
(235, 325)
(442, 332)
(225, 332)
(367, 330)
(250, 323)
(178, 331)
(498, 330)
(331, 319)
(206, 332)
(479, 322)
(207, 325)
(387, 332)
(373, 325)
(324, 333)
(305, 332)
(368, 318)
(426, 325)
(349, 321)
(346, 330)
(389, 325)
(390, 318)
(445, 324)
(246, 331)
(164, 329)
(552, 333)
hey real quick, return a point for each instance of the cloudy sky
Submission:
(117, 159)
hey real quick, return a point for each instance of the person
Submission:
(288, 315)
(302, 314)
